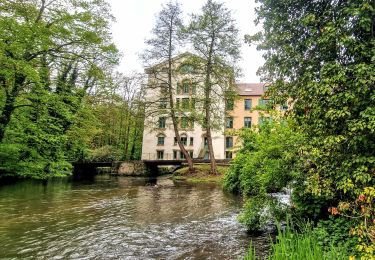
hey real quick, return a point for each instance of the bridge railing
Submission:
(154, 156)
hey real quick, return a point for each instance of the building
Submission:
(241, 113)
(159, 141)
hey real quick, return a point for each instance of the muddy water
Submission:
(120, 218)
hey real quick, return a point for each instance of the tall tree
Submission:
(214, 37)
(163, 47)
(51, 53)
(320, 56)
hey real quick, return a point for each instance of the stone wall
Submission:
(131, 168)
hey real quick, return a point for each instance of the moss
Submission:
(201, 174)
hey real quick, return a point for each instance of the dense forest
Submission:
(60, 99)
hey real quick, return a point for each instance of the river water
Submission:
(120, 218)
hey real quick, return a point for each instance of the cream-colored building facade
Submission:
(159, 141)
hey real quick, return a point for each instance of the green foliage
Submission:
(306, 244)
(320, 57)
(335, 231)
(105, 154)
(266, 163)
(51, 55)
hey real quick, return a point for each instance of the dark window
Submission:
(228, 142)
(247, 103)
(229, 104)
(247, 122)
(185, 87)
(175, 154)
(182, 155)
(228, 155)
(184, 140)
(185, 103)
(191, 153)
(175, 140)
(163, 102)
(161, 122)
(191, 140)
(177, 103)
(229, 122)
(160, 154)
(161, 140)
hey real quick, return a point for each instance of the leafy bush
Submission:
(267, 162)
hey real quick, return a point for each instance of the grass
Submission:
(201, 174)
(296, 246)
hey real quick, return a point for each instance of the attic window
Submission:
(248, 90)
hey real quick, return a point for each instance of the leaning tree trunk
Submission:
(207, 107)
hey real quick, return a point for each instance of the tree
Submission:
(214, 37)
(161, 54)
(51, 54)
(320, 56)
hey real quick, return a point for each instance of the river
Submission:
(120, 218)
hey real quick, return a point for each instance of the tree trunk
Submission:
(207, 102)
(10, 105)
(171, 103)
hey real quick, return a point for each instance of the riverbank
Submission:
(201, 174)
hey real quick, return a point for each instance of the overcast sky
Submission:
(136, 18)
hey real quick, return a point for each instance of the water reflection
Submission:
(114, 217)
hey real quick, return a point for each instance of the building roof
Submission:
(251, 89)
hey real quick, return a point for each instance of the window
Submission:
(184, 140)
(228, 155)
(228, 142)
(247, 103)
(205, 142)
(160, 154)
(186, 68)
(229, 104)
(191, 140)
(264, 102)
(229, 122)
(163, 103)
(184, 122)
(175, 140)
(191, 153)
(247, 122)
(161, 140)
(161, 122)
(185, 103)
(175, 154)
(177, 103)
(185, 87)
(182, 155)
